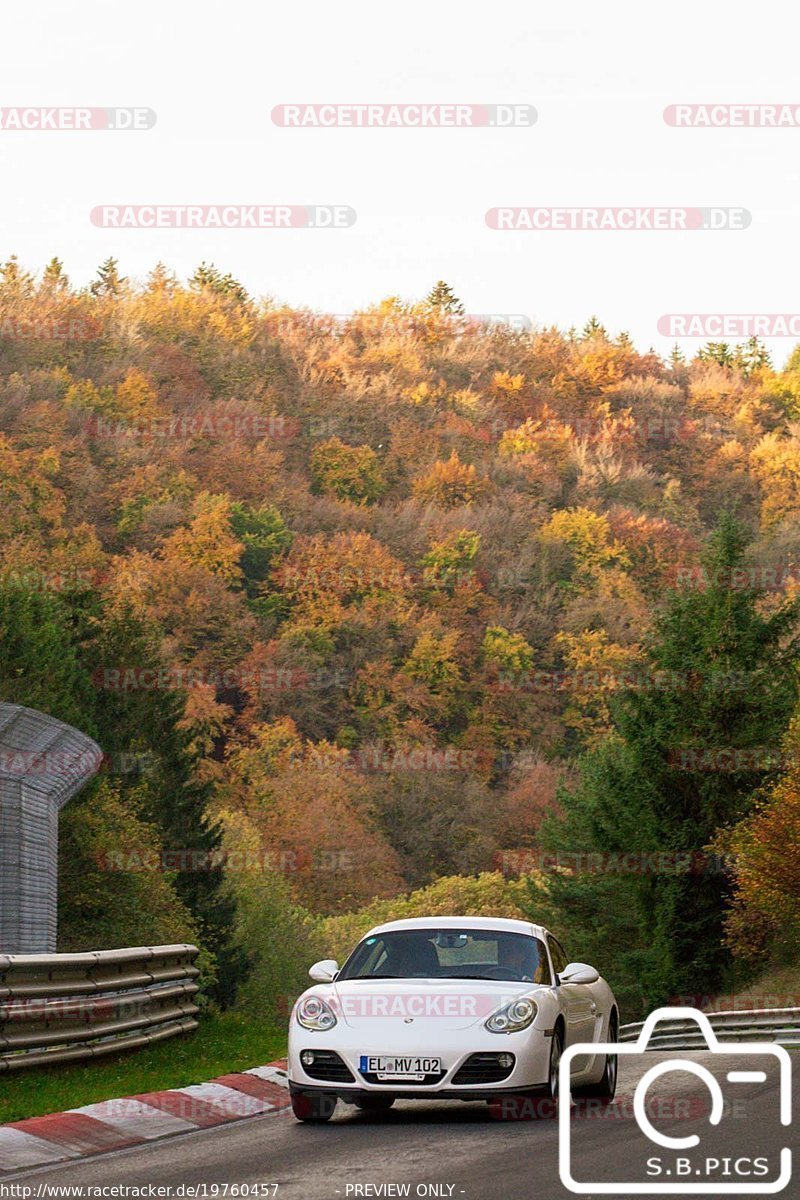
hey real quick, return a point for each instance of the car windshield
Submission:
(449, 954)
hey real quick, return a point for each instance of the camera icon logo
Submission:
(686, 1167)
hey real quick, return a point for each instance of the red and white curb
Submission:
(119, 1124)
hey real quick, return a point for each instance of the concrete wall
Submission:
(43, 763)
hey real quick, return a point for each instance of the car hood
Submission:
(429, 1004)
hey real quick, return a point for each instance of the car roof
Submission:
(502, 924)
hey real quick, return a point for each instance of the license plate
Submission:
(390, 1066)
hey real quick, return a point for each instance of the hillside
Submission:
(347, 602)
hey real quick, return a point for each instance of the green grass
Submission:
(222, 1044)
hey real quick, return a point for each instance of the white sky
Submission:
(599, 75)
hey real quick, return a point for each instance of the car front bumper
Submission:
(530, 1047)
(350, 1094)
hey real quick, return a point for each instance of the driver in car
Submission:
(520, 955)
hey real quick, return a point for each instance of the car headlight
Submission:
(313, 1013)
(516, 1015)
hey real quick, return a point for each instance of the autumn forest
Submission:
(408, 611)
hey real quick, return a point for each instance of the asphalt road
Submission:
(462, 1150)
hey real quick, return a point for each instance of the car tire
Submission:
(375, 1103)
(313, 1107)
(606, 1088)
(556, 1051)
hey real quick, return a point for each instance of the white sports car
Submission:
(464, 1008)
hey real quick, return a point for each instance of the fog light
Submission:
(307, 1058)
(505, 1060)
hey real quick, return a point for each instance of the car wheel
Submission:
(607, 1086)
(375, 1103)
(556, 1051)
(315, 1107)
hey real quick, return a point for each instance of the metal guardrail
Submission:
(781, 1025)
(57, 1008)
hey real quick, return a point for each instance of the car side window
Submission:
(558, 955)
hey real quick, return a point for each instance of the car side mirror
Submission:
(578, 972)
(324, 971)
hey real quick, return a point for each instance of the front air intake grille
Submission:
(329, 1067)
(483, 1068)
